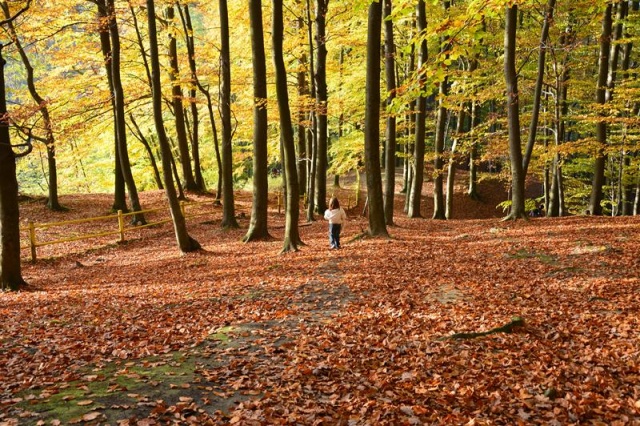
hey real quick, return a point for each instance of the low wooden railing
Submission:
(119, 218)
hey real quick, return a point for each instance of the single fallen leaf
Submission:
(85, 402)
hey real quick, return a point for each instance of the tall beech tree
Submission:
(10, 268)
(292, 203)
(185, 242)
(595, 206)
(372, 124)
(390, 131)
(320, 76)
(178, 111)
(228, 206)
(53, 202)
(420, 117)
(120, 123)
(258, 225)
(513, 115)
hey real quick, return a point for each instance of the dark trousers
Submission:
(334, 235)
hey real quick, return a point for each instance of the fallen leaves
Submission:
(238, 334)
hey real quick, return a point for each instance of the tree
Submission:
(292, 203)
(372, 124)
(322, 7)
(513, 115)
(258, 224)
(120, 119)
(178, 111)
(228, 206)
(10, 270)
(601, 126)
(421, 108)
(390, 140)
(185, 242)
(49, 140)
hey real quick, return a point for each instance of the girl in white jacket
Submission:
(335, 215)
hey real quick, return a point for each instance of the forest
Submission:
(430, 113)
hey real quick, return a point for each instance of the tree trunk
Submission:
(513, 116)
(312, 135)
(390, 140)
(258, 225)
(439, 208)
(595, 207)
(451, 169)
(121, 125)
(178, 112)
(119, 196)
(321, 106)
(372, 124)
(10, 271)
(303, 91)
(228, 206)
(421, 108)
(185, 242)
(147, 147)
(191, 57)
(537, 91)
(292, 203)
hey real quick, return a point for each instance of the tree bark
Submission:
(178, 112)
(292, 202)
(303, 91)
(372, 124)
(421, 108)
(193, 106)
(513, 116)
(185, 242)
(321, 105)
(597, 183)
(121, 125)
(147, 147)
(10, 270)
(258, 224)
(228, 206)
(390, 140)
(537, 91)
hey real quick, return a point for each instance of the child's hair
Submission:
(334, 203)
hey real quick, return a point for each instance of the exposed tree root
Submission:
(507, 328)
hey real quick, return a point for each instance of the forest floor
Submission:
(384, 331)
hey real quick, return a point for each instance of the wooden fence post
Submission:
(279, 202)
(121, 225)
(32, 240)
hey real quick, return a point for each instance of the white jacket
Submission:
(336, 216)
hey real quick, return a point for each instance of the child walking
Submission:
(335, 215)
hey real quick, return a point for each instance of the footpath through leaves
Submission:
(410, 330)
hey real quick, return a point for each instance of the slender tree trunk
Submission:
(303, 91)
(258, 225)
(312, 136)
(321, 105)
(10, 269)
(228, 206)
(537, 91)
(121, 125)
(147, 147)
(390, 142)
(193, 106)
(185, 242)
(419, 145)
(472, 191)
(178, 112)
(595, 207)
(120, 201)
(372, 124)
(513, 116)
(451, 169)
(292, 206)
(439, 208)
